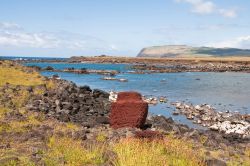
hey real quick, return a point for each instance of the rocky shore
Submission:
(62, 103)
(179, 67)
(171, 66)
(90, 108)
(71, 103)
(230, 124)
(79, 71)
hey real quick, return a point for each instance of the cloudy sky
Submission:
(64, 28)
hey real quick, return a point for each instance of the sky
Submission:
(64, 28)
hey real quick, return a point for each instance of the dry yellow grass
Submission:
(167, 152)
(66, 151)
(130, 152)
(16, 75)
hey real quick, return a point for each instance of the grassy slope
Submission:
(56, 146)
(186, 51)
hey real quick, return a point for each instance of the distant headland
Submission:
(189, 51)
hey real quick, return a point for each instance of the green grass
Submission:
(130, 152)
(167, 152)
(66, 151)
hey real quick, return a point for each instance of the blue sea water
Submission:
(224, 91)
(29, 58)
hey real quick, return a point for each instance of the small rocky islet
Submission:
(68, 103)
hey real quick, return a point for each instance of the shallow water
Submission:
(224, 91)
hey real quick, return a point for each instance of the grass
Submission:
(66, 127)
(66, 151)
(10, 156)
(17, 75)
(3, 111)
(20, 125)
(101, 137)
(129, 152)
(237, 160)
(167, 152)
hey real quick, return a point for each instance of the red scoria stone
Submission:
(148, 134)
(129, 96)
(128, 111)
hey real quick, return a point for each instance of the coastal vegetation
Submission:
(31, 138)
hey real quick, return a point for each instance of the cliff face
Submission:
(187, 51)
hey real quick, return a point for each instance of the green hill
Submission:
(188, 51)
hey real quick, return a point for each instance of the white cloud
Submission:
(32, 40)
(208, 7)
(202, 7)
(8, 25)
(239, 42)
(11, 37)
(230, 13)
(200, 27)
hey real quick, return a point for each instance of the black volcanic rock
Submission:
(68, 102)
(50, 68)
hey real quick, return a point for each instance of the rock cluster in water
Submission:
(226, 122)
(115, 79)
(68, 102)
(79, 71)
(182, 67)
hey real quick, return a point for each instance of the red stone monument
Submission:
(128, 111)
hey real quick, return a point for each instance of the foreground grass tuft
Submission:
(66, 151)
(169, 151)
(237, 160)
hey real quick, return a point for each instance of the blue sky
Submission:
(64, 28)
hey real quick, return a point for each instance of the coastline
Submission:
(165, 65)
(55, 104)
(202, 115)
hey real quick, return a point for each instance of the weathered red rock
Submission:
(128, 111)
